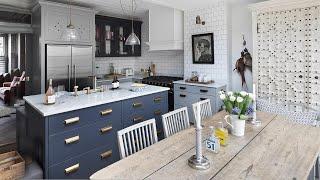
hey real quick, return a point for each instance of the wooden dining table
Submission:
(278, 149)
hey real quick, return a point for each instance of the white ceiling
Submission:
(112, 7)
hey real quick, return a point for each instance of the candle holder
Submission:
(198, 161)
(254, 120)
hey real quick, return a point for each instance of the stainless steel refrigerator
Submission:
(69, 65)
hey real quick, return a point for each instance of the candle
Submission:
(198, 120)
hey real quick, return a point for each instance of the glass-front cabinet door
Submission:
(111, 34)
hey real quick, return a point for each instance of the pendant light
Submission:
(133, 38)
(70, 33)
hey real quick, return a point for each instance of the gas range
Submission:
(164, 81)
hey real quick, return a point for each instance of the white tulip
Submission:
(223, 96)
(251, 95)
(232, 98)
(243, 93)
(230, 93)
(221, 92)
(239, 99)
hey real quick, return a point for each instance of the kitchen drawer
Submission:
(66, 145)
(88, 163)
(185, 97)
(75, 119)
(195, 89)
(160, 99)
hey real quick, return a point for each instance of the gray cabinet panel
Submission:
(86, 116)
(71, 143)
(88, 163)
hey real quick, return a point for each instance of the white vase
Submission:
(238, 126)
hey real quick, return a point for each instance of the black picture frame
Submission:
(206, 58)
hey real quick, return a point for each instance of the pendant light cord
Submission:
(70, 12)
(132, 17)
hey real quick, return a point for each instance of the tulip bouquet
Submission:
(238, 103)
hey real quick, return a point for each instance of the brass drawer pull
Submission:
(106, 129)
(202, 99)
(139, 118)
(72, 169)
(71, 120)
(135, 105)
(182, 95)
(72, 139)
(158, 99)
(106, 154)
(157, 112)
(105, 112)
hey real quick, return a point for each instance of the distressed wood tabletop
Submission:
(168, 158)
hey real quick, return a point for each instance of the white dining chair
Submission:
(205, 109)
(137, 137)
(175, 121)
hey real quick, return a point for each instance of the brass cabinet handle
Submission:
(182, 95)
(139, 118)
(183, 88)
(105, 112)
(72, 139)
(106, 154)
(72, 169)
(157, 112)
(71, 120)
(158, 99)
(106, 129)
(135, 105)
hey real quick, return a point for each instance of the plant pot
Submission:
(238, 126)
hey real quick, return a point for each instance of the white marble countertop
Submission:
(68, 102)
(212, 85)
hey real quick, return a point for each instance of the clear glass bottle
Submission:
(222, 134)
(214, 139)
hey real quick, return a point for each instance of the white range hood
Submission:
(165, 29)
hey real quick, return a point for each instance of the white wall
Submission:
(167, 62)
(216, 22)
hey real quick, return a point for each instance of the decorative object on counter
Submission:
(238, 105)
(199, 21)
(111, 68)
(75, 90)
(222, 134)
(137, 87)
(87, 90)
(213, 143)
(254, 120)
(115, 83)
(197, 82)
(70, 33)
(153, 69)
(12, 165)
(133, 38)
(198, 161)
(203, 48)
(50, 97)
(245, 61)
(127, 72)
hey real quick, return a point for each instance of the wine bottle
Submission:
(50, 97)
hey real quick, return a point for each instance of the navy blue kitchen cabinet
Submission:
(78, 143)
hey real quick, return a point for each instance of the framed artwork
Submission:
(203, 49)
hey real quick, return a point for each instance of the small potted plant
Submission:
(239, 106)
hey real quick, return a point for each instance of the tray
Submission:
(197, 82)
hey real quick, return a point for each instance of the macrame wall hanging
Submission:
(288, 54)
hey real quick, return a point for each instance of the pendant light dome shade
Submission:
(132, 40)
(70, 33)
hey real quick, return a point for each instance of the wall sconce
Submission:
(198, 20)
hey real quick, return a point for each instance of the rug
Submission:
(6, 111)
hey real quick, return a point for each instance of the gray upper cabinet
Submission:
(56, 17)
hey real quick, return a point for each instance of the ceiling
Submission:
(113, 7)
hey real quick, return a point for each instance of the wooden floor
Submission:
(8, 133)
